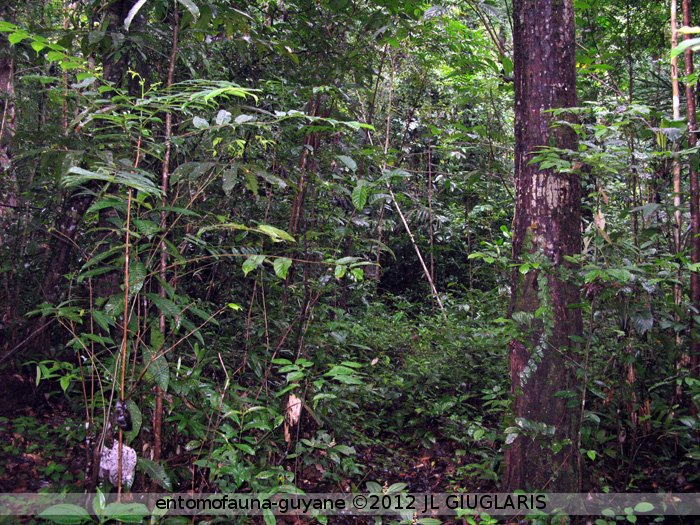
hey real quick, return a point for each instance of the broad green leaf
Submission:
(245, 448)
(251, 183)
(146, 227)
(357, 273)
(65, 514)
(155, 471)
(281, 266)
(169, 308)
(643, 506)
(275, 234)
(191, 171)
(136, 421)
(102, 320)
(693, 43)
(158, 370)
(230, 177)
(344, 449)
(137, 276)
(251, 263)
(360, 194)
(157, 339)
(350, 163)
(17, 36)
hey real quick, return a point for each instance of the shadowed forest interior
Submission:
(342, 246)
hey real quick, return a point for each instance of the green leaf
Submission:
(281, 266)
(693, 43)
(137, 179)
(136, 421)
(396, 487)
(17, 36)
(55, 56)
(157, 339)
(340, 271)
(102, 320)
(275, 234)
(251, 183)
(344, 449)
(230, 177)
(191, 7)
(351, 164)
(147, 228)
(137, 276)
(127, 512)
(156, 472)
(65, 514)
(166, 306)
(191, 171)
(294, 376)
(6, 27)
(251, 263)
(360, 194)
(245, 448)
(357, 273)
(643, 506)
(158, 370)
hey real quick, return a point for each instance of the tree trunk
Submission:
(547, 227)
(119, 59)
(8, 181)
(694, 203)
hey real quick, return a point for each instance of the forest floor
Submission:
(43, 447)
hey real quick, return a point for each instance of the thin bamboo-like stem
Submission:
(165, 179)
(125, 333)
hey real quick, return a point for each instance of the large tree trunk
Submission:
(547, 227)
(694, 363)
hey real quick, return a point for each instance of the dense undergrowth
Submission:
(288, 250)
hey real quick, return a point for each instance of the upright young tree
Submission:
(8, 182)
(547, 228)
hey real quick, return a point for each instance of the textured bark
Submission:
(8, 181)
(116, 63)
(547, 222)
(694, 202)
